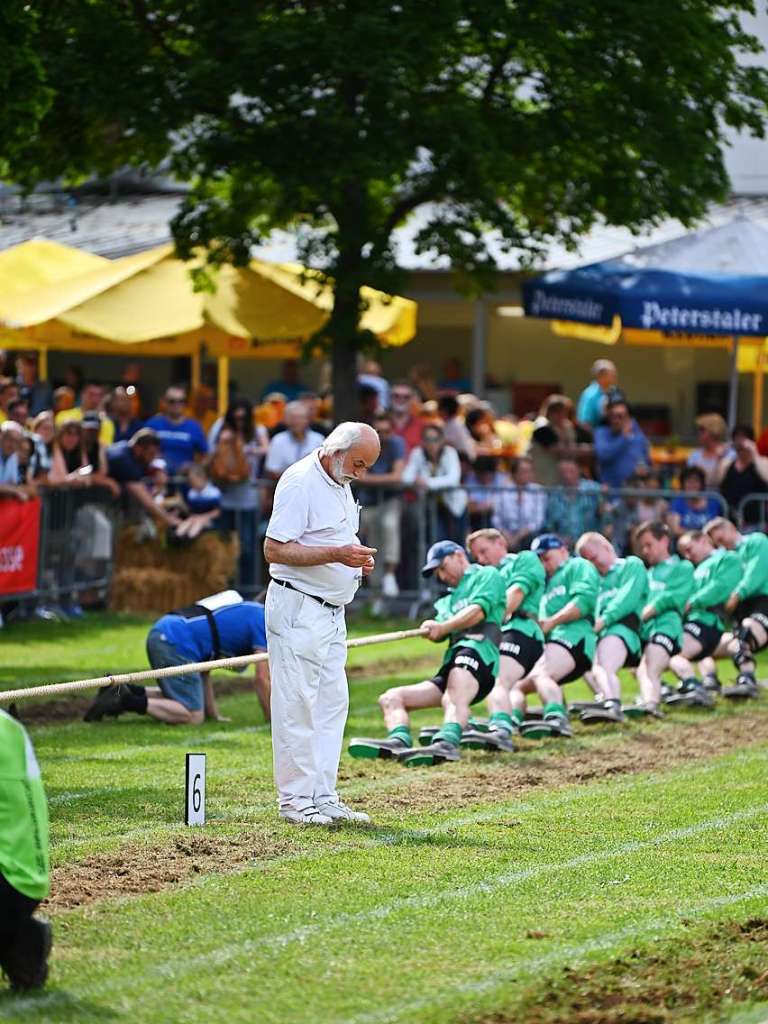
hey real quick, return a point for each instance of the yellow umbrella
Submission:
(39, 263)
(150, 295)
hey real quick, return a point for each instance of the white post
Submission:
(479, 347)
(733, 385)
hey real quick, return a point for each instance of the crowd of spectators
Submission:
(448, 462)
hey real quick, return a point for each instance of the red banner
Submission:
(19, 544)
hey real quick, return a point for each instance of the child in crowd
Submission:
(203, 501)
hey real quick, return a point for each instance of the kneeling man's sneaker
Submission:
(109, 701)
(337, 810)
(362, 746)
(309, 816)
(495, 740)
(435, 753)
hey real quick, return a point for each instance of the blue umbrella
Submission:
(708, 282)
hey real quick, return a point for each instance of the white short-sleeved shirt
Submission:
(284, 450)
(311, 508)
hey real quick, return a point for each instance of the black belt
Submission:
(290, 586)
(194, 611)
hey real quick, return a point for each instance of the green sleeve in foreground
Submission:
(676, 591)
(527, 573)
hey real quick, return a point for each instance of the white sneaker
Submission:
(389, 587)
(309, 816)
(337, 810)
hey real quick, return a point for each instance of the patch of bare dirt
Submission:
(683, 980)
(138, 869)
(657, 747)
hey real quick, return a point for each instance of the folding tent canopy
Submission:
(147, 301)
(707, 288)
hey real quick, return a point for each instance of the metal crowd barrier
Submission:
(79, 529)
(76, 549)
(752, 512)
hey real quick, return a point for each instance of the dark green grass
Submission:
(437, 914)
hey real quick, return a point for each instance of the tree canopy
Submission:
(521, 121)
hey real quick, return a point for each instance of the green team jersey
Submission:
(753, 552)
(482, 585)
(526, 572)
(622, 597)
(23, 813)
(671, 583)
(714, 580)
(576, 580)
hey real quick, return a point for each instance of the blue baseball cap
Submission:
(546, 542)
(440, 550)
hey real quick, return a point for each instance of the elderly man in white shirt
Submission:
(316, 563)
(293, 443)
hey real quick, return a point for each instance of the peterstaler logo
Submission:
(12, 558)
(686, 319)
(563, 308)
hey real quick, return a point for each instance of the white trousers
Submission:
(310, 698)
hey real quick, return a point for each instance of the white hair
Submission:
(342, 438)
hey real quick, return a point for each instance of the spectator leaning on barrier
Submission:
(72, 464)
(691, 513)
(11, 436)
(620, 446)
(521, 509)
(454, 427)
(435, 466)
(594, 399)
(712, 437)
(292, 444)
(382, 506)
(128, 464)
(742, 472)
(484, 484)
(182, 439)
(25, 940)
(577, 508)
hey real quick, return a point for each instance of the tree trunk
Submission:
(343, 333)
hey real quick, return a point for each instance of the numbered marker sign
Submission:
(195, 790)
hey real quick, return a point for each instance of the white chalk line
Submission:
(178, 968)
(637, 931)
(486, 984)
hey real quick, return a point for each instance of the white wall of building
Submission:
(746, 158)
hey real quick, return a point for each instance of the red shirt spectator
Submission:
(405, 423)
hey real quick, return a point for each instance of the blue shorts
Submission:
(186, 689)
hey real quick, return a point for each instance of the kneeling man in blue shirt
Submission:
(220, 626)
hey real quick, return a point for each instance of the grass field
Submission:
(616, 877)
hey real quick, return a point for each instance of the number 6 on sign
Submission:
(195, 790)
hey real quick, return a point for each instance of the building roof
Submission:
(130, 224)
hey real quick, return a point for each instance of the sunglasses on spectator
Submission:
(174, 401)
(401, 394)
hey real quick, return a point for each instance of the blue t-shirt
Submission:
(591, 404)
(241, 631)
(695, 518)
(179, 442)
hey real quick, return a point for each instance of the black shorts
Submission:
(525, 650)
(753, 608)
(708, 636)
(576, 651)
(669, 643)
(469, 659)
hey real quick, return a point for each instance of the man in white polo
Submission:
(316, 563)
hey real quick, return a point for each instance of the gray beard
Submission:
(337, 470)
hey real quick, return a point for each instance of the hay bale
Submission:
(155, 577)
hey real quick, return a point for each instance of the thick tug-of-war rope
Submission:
(147, 675)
